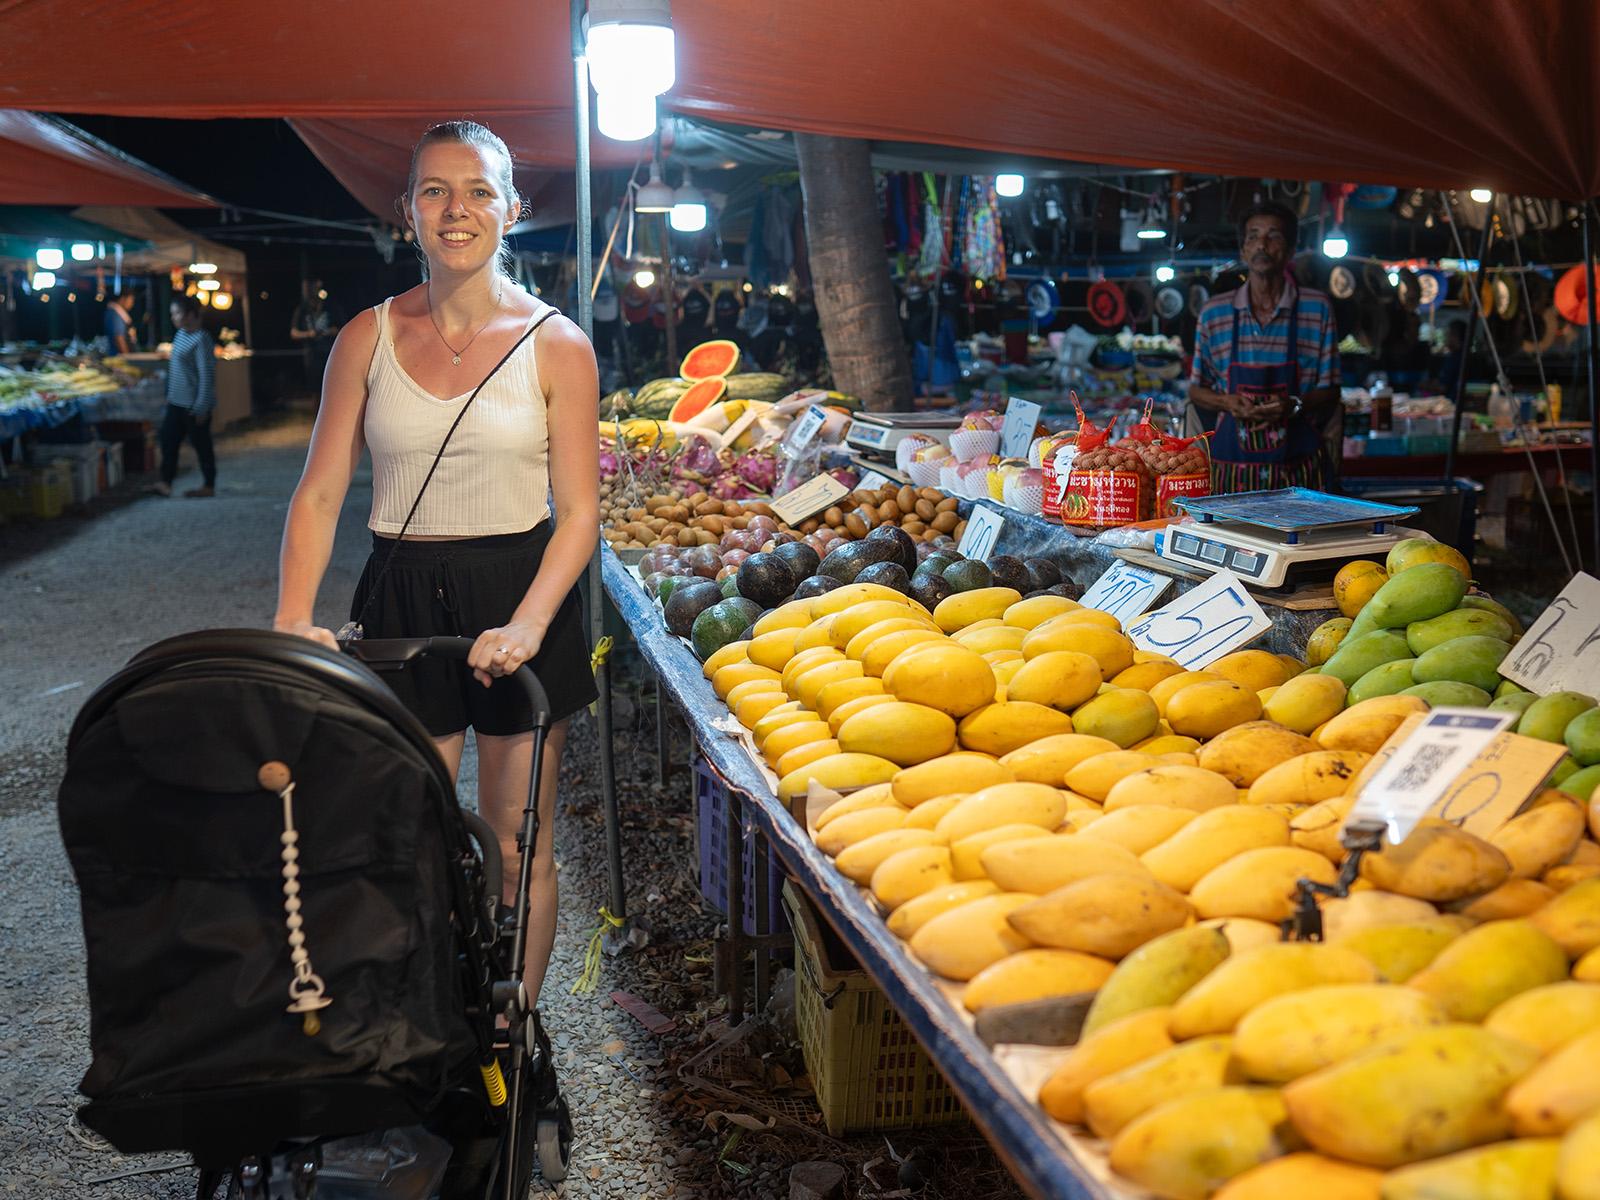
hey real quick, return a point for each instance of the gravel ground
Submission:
(85, 592)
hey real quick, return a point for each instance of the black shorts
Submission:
(459, 589)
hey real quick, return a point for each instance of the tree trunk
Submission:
(850, 272)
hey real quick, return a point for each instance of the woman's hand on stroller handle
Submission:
(393, 653)
(307, 629)
(500, 652)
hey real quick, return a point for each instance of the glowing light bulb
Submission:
(1335, 245)
(626, 55)
(82, 251)
(1481, 195)
(202, 268)
(1165, 274)
(625, 116)
(1009, 184)
(644, 278)
(43, 281)
(1151, 233)
(49, 258)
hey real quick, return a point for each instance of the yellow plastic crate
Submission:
(866, 1066)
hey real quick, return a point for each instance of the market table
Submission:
(1509, 461)
(1017, 1127)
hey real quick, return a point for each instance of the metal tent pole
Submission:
(1466, 346)
(597, 592)
(1594, 367)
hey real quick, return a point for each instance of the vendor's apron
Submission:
(1258, 458)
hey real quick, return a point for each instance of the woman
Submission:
(479, 557)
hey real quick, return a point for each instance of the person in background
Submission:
(773, 347)
(694, 325)
(191, 399)
(314, 326)
(1266, 369)
(118, 323)
(725, 313)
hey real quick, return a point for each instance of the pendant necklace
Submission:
(456, 359)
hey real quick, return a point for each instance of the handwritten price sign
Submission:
(1561, 650)
(1125, 591)
(1204, 623)
(983, 530)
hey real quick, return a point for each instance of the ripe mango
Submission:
(959, 943)
(1244, 934)
(1211, 839)
(1305, 702)
(1513, 898)
(1318, 827)
(1253, 669)
(1041, 865)
(1400, 951)
(1412, 552)
(1573, 918)
(1110, 1049)
(1455, 695)
(1207, 709)
(1370, 908)
(1488, 605)
(1325, 639)
(1358, 655)
(796, 615)
(1004, 804)
(1163, 692)
(929, 814)
(1095, 776)
(856, 648)
(1246, 752)
(980, 604)
(877, 796)
(1540, 838)
(942, 675)
(1356, 583)
(857, 826)
(1190, 1146)
(875, 659)
(1262, 884)
(959, 772)
(1517, 1170)
(1417, 1095)
(914, 914)
(854, 594)
(1309, 778)
(1122, 715)
(1007, 725)
(966, 854)
(1488, 965)
(1422, 636)
(909, 873)
(1474, 659)
(1548, 1017)
(841, 772)
(1217, 1002)
(733, 652)
(860, 860)
(1559, 1092)
(1307, 1175)
(991, 639)
(1417, 593)
(1369, 724)
(1582, 736)
(1145, 675)
(843, 712)
(756, 705)
(1110, 915)
(1296, 1034)
(907, 734)
(1157, 973)
(1049, 759)
(1141, 827)
(1034, 975)
(1578, 1166)
(1174, 784)
(1036, 610)
(1437, 862)
(800, 755)
(1201, 1065)
(841, 691)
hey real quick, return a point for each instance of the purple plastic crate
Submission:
(711, 827)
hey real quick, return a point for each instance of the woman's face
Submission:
(458, 209)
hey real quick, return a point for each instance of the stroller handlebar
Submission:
(392, 654)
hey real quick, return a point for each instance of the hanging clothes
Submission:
(985, 247)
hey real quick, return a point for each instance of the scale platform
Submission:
(876, 434)
(1282, 537)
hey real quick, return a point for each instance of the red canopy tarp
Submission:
(1498, 93)
(43, 161)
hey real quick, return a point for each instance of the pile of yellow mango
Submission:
(1040, 809)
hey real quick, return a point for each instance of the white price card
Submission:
(813, 419)
(1125, 591)
(871, 481)
(983, 530)
(810, 497)
(1016, 435)
(1426, 765)
(1561, 650)
(1206, 622)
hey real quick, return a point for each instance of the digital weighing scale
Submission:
(1292, 534)
(876, 434)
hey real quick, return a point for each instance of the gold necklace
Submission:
(456, 359)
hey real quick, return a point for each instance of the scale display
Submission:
(1293, 510)
(879, 433)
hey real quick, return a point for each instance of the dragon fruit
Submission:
(730, 487)
(847, 476)
(700, 457)
(758, 470)
(610, 464)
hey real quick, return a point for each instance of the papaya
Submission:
(1358, 655)
(1423, 636)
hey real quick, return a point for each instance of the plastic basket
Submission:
(866, 1066)
(711, 829)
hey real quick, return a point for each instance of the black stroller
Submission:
(297, 950)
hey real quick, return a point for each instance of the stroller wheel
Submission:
(553, 1139)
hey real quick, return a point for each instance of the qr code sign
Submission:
(1422, 768)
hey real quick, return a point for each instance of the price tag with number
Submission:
(1016, 435)
(813, 419)
(810, 497)
(1561, 650)
(1200, 626)
(871, 481)
(983, 530)
(1125, 591)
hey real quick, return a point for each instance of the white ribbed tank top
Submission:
(495, 474)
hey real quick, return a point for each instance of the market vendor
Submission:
(1266, 370)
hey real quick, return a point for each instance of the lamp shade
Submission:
(655, 196)
(631, 46)
(625, 116)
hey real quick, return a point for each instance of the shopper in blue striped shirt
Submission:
(191, 399)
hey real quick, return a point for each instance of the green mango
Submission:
(1507, 688)
(1582, 736)
(1473, 660)
(1447, 693)
(1363, 624)
(1516, 702)
(1416, 594)
(1582, 784)
(1388, 679)
(1423, 636)
(1547, 717)
(1565, 769)
(1356, 656)
(1494, 606)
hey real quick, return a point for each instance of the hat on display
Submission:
(1139, 300)
(1170, 302)
(1043, 300)
(1341, 282)
(1107, 306)
(1572, 296)
(1432, 286)
(1408, 288)
(1373, 196)
(1198, 295)
(1507, 295)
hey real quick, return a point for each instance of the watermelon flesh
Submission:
(710, 360)
(700, 396)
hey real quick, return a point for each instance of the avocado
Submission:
(887, 574)
(929, 587)
(767, 579)
(849, 560)
(1042, 574)
(729, 584)
(1009, 571)
(687, 601)
(903, 540)
(967, 575)
(723, 623)
(937, 561)
(815, 585)
(802, 559)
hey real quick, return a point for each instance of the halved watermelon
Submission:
(710, 360)
(697, 399)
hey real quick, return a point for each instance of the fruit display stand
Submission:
(1039, 1153)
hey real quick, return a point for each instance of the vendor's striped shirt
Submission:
(191, 373)
(1318, 341)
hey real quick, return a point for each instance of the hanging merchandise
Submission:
(932, 257)
(1341, 282)
(1572, 295)
(985, 252)
(1107, 307)
(1138, 300)
(1170, 301)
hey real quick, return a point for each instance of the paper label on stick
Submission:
(1016, 434)
(734, 431)
(1460, 765)
(1208, 621)
(983, 530)
(809, 498)
(1125, 591)
(1561, 650)
(806, 427)
(871, 481)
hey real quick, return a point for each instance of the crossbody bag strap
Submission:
(352, 631)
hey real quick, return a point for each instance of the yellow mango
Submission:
(741, 692)
(961, 609)
(966, 855)
(1144, 676)
(1559, 1092)
(1368, 725)
(1261, 884)
(1517, 1170)
(795, 614)
(1306, 1175)
(1437, 862)
(859, 643)
(1172, 784)
(1112, 650)
(1060, 679)
(732, 675)
(1036, 610)
(1217, 1002)
(1163, 692)
(1252, 669)
(1110, 914)
(1190, 1147)
(962, 941)
(1399, 951)
(803, 660)
(914, 914)
(907, 873)
(1308, 778)
(840, 713)
(959, 772)
(815, 636)
(906, 734)
(1201, 1065)
(1122, 715)
(800, 755)
(1573, 918)
(942, 675)
(1513, 898)
(853, 594)
(733, 652)
(878, 796)
(756, 705)
(1242, 933)
(780, 741)
(1488, 965)
(1034, 975)
(842, 691)
(859, 860)
(1167, 743)
(1301, 1032)
(1050, 759)
(929, 814)
(1548, 1017)
(1564, 877)
(1413, 1096)
(808, 685)
(840, 772)
(1578, 1165)
(991, 639)
(1121, 1044)
(1305, 702)
(1540, 838)
(1096, 775)
(1141, 827)
(1076, 821)
(1004, 804)
(852, 621)
(850, 828)
(772, 650)
(875, 659)
(1318, 827)
(1157, 974)
(1246, 752)
(1041, 865)
(783, 715)
(1008, 725)
(1211, 839)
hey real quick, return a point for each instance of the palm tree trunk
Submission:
(850, 272)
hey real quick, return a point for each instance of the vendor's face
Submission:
(182, 319)
(458, 211)
(1266, 246)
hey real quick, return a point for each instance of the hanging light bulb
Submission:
(1008, 184)
(211, 285)
(82, 251)
(630, 46)
(1165, 273)
(1335, 245)
(644, 277)
(1151, 233)
(1394, 278)
(1481, 195)
(49, 258)
(688, 207)
(625, 116)
(43, 281)
(202, 268)
(222, 300)
(655, 196)
(204, 298)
